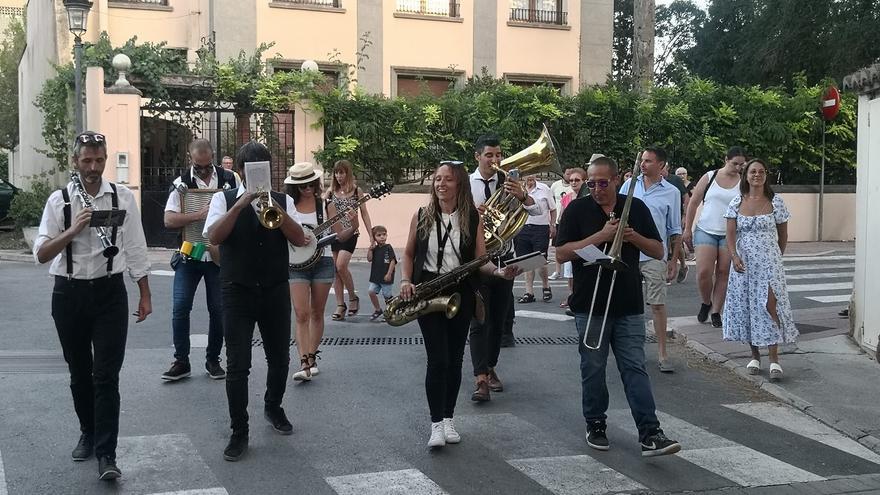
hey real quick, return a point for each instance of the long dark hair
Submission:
(744, 183)
(464, 204)
(294, 191)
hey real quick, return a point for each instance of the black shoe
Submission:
(179, 369)
(703, 315)
(84, 448)
(278, 420)
(215, 371)
(236, 447)
(596, 435)
(107, 470)
(844, 313)
(716, 320)
(507, 340)
(657, 444)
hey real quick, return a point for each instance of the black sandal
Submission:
(339, 315)
(355, 305)
(548, 294)
(528, 297)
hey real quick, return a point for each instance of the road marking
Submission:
(540, 315)
(573, 475)
(403, 482)
(162, 273)
(165, 464)
(817, 276)
(797, 422)
(199, 340)
(199, 491)
(831, 299)
(787, 259)
(726, 458)
(3, 490)
(818, 287)
(828, 266)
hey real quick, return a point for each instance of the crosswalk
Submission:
(820, 279)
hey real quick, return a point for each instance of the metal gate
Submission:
(166, 134)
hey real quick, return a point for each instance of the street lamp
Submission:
(77, 20)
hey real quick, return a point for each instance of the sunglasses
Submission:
(90, 138)
(602, 183)
(307, 185)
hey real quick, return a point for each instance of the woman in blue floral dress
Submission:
(757, 310)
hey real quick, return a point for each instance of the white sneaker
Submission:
(449, 432)
(554, 276)
(438, 437)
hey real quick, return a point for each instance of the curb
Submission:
(17, 257)
(825, 417)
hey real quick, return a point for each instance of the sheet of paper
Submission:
(257, 177)
(591, 253)
(529, 264)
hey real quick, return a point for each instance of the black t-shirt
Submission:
(382, 257)
(583, 218)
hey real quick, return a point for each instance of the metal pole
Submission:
(77, 85)
(822, 184)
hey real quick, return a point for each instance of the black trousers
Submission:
(444, 344)
(93, 314)
(497, 294)
(268, 307)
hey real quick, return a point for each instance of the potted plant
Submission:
(27, 209)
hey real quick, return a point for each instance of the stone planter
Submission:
(30, 235)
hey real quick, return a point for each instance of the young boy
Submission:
(383, 260)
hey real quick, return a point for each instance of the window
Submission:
(318, 3)
(329, 71)
(409, 85)
(538, 11)
(429, 7)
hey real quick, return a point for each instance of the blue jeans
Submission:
(625, 335)
(186, 280)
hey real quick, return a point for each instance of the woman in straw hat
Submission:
(309, 288)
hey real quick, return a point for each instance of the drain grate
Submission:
(31, 362)
(383, 341)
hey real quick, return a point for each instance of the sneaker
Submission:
(236, 447)
(657, 444)
(278, 420)
(215, 371)
(716, 320)
(84, 448)
(703, 315)
(449, 432)
(438, 435)
(666, 367)
(107, 470)
(554, 276)
(596, 437)
(682, 274)
(179, 370)
(844, 313)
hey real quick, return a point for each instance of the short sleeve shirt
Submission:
(382, 257)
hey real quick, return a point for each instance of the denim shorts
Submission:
(323, 272)
(703, 238)
(384, 289)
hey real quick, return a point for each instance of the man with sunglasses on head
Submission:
(496, 293)
(664, 201)
(189, 271)
(89, 300)
(587, 221)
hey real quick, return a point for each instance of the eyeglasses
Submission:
(602, 183)
(90, 138)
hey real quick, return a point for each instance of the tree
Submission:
(677, 26)
(10, 52)
(643, 44)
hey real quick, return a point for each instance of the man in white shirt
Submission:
(559, 189)
(89, 301)
(188, 271)
(535, 236)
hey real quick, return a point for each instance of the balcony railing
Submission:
(451, 10)
(318, 3)
(557, 17)
(163, 3)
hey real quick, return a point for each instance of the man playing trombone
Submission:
(595, 220)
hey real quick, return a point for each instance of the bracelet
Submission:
(406, 280)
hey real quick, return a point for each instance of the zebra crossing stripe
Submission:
(738, 463)
(818, 287)
(817, 276)
(831, 299)
(791, 259)
(165, 464)
(797, 422)
(403, 482)
(821, 266)
(540, 315)
(3, 490)
(575, 475)
(199, 491)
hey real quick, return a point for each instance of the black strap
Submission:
(319, 210)
(441, 244)
(711, 180)
(115, 202)
(68, 250)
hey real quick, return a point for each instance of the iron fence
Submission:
(539, 16)
(163, 3)
(453, 10)
(321, 3)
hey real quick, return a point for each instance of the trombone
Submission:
(614, 263)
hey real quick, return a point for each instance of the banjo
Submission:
(302, 258)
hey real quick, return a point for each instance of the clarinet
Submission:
(109, 249)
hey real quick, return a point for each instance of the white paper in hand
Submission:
(591, 254)
(258, 177)
(529, 262)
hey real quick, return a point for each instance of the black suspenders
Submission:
(68, 250)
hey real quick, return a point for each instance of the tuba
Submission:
(504, 215)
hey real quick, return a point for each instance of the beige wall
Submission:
(309, 34)
(865, 312)
(182, 25)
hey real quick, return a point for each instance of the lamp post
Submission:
(77, 20)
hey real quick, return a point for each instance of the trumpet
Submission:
(268, 212)
(109, 249)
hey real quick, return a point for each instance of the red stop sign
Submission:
(830, 103)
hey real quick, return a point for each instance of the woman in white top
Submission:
(443, 235)
(309, 288)
(714, 191)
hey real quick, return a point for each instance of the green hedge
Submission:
(696, 122)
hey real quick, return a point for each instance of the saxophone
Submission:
(427, 299)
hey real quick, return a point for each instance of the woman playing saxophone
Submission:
(444, 236)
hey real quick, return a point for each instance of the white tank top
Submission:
(717, 200)
(450, 258)
(312, 220)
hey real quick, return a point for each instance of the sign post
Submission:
(830, 108)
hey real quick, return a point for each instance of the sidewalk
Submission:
(826, 375)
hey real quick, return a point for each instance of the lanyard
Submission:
(441, 243)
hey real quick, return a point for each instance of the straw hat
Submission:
(302, 173)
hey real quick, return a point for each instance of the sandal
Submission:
(305, 373)
(528, 297)
(313, 362)
(376, 315)
(775, 372)
(754, 367)
(547, 294)
(355, 303)
(563, 305)
(339, 315)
